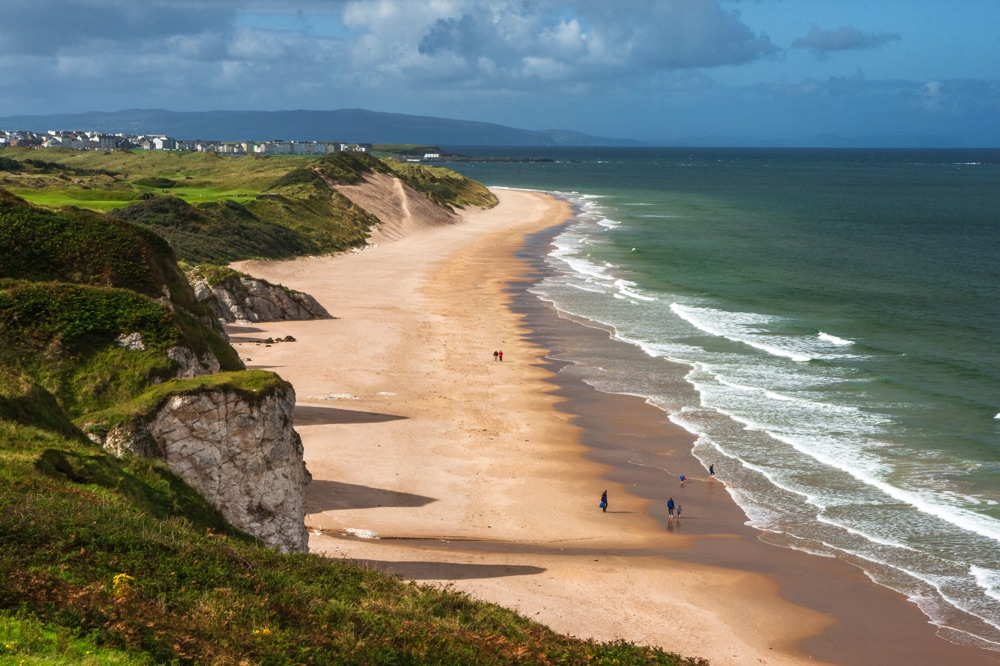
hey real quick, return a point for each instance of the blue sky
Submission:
(760, 70)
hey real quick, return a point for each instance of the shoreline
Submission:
(489, 473)
(873, 624)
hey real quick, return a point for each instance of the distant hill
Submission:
(347, 125)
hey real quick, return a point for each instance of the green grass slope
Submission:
(217, 232)
(64, 337)
(106, 560)
(84, 247)
(237, 208)
(444, 186)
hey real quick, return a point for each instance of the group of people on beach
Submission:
(672, 507)
(498, 355)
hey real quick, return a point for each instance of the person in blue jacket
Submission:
(670, 507)
(604, 501)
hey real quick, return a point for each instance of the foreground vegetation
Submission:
(117, 561)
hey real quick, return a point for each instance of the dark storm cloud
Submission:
(842, 39)
(48, 28)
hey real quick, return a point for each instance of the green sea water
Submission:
(825, 322)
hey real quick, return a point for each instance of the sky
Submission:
(651, 70)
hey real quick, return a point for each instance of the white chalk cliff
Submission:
(242, 454)
(244, 299)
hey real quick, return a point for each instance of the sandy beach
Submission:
(486, 475)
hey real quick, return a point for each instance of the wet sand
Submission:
(487, 475)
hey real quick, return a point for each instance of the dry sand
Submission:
(471, 473)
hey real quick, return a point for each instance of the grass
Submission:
(234, 208)
(25, 640)
(117, 561)
(65, 336)
(252, 385)
(87, 248)
(443, 186)
(218, 232)
(106, 181)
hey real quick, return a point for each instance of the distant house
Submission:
(101, 141)
(273, 148)
(105, 141)
(164, 143)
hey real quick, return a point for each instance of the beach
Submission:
(486, 475)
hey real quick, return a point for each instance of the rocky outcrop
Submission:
(240, 298)
(241, 453)
(188, 363)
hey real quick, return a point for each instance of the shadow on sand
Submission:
(448, 570)
(307, 415)
(335, 496)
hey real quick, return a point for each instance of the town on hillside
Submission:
(76, 140)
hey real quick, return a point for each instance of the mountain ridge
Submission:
(347, 125)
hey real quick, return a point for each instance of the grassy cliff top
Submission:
(252, 385)
(67, 338)
(109, 560)
(87, 248)
(215, 208)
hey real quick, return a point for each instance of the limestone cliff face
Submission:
(245, 299)
(241, 454)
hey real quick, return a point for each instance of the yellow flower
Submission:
(122, 584)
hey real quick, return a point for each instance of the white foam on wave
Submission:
(931, 503)
(844, 449)
(988, 580)
(628, 288)
(709, 321)
(756, 330)
(834, 340)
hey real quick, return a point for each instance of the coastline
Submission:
(489, 473)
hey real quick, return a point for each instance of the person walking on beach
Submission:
(501, 355)
(604, 501)
(670, 508)
(711, 470)
(678, 514)
(495, 355)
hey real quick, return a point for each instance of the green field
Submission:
(105, 181)
(215, 208)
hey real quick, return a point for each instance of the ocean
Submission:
(823, 322)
